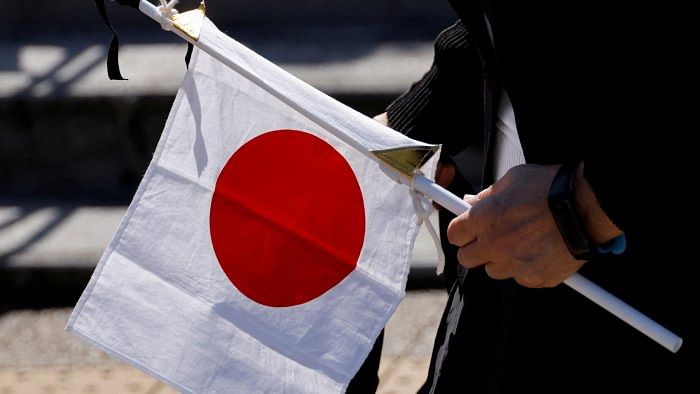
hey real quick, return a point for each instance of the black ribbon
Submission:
(188, 55)
(113, 53)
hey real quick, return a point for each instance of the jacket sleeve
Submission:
(638, 155)
(446, 105)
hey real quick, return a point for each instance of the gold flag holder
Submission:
(406, 160)
(190, 22)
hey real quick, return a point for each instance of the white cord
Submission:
(419, 203)
(167, 9)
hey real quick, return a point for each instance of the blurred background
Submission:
(74, 145)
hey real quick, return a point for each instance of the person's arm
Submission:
(446, 105)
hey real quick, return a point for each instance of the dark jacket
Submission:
(602, 82)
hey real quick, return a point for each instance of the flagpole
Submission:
(578, 282)
(455, 205)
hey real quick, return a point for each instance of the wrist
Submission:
(600, 228)
(585, 228)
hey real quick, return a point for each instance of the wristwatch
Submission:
(562, 204)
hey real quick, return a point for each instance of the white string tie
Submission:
(419, 203)
(167, 10)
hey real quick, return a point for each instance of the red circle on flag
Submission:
(287, 218)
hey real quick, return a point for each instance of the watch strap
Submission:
(562, 205)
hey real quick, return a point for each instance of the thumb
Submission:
(473, 199)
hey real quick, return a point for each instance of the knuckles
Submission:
(465, 260)
(529, 281)
(457, 229)
(494, 271)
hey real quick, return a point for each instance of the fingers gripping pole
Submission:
(588, 289)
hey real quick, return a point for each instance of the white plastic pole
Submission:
(457, 206)
(588, 289)
(151, 11)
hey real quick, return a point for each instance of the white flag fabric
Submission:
(262, 252)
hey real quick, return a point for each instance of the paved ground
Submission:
(38, 356)
(75, 66)
(51, 235)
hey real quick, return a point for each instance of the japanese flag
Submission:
(264, 249)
